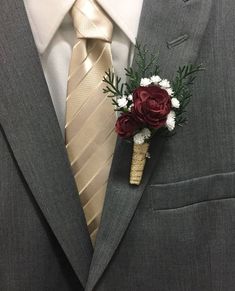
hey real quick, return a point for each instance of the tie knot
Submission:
(90, 21)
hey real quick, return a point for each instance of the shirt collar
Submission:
(45, 17)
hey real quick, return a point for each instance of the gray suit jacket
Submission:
(176, 231)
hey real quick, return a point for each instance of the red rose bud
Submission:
(127, 125)
(151, 105)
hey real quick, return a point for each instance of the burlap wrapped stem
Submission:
(140, 153)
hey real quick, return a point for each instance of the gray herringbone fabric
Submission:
(175, 232)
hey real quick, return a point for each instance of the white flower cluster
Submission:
(123, 101)
(144, 82)
(164, 84)
(175, 103)
(170, 120)
(142, 136)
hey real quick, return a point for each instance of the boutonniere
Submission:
(148, 104)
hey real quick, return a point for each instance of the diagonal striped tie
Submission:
(90, 118)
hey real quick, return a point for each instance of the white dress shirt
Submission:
(54, 36)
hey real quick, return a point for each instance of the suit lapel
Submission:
(175, 29)
(28, 119)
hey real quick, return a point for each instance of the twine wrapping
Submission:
(138, 162)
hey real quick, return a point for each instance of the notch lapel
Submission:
(28, 118)
(175, 28)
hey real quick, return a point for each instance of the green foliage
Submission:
(181, 86)
(114, 87)
(146, 64)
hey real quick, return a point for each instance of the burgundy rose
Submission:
(127, 125)
(151, 105)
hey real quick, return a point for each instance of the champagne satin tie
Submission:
(90, 118)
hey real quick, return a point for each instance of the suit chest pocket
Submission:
(193, 191)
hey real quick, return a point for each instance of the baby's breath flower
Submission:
(122, 102)
(156, 80)
(175, 103)
(169, 91)
(144, 82)
(146, 133)
(138, 138)
(165, 84)
(170, 121)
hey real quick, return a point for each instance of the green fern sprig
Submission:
(114, 87)
(184, 79)
(145, 63)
